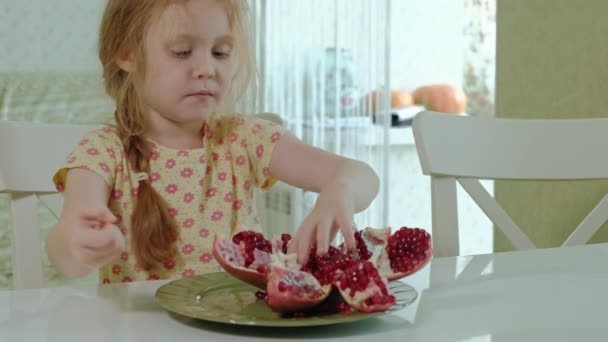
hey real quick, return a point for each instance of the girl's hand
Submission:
(94, 239)
(333, 210)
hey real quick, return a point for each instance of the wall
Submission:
(41, 35)
(552, 62)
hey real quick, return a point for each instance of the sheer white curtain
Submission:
(319, 60)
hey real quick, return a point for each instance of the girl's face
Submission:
(189, 62)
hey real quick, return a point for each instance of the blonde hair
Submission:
(123, 28)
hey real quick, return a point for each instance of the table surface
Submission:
(542, 295)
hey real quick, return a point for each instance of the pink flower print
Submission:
(202, 159)
(188, 197)
(240, 160)
(215, 156)
(137, 268)
(182, 153)
(172, 212)
(154, 177)
(259, 151)
(124, 256)
(266, 171)
(127, 279)
(71, 159)
(186, 172)
(188, 223)
(221, 176)
(208, 170)
(155, 155)
(104, 167)
(116, 269)
(236, 205)
(105, 281)
(120, 168)
(188, 273)
(217, 215)
(123, 230)
(228, 156)
(169, 164)
(201, 208)
(244, 143)
(93, 152)
(228, 198)
(256, 128)
(111, 152)
(170, 264)
(234, 180)
(275, 137)
(60, 187)
(203, 232)
(83, 142)
(211, 192)
(153, 276)
(205, 258)
(188, 249)
(134, 192)
(247, 185)
(234, 137)
(117, 194)
(171, 188)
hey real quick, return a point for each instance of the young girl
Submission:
(144, 197)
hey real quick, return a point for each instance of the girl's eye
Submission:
(221, 54)
(183, 53)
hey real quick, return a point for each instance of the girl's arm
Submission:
(85, 236)
(345, 187)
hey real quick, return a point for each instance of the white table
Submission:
(543, 295)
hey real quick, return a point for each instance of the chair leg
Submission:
(25, 228)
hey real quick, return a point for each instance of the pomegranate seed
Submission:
(260, 295)
(282, 287)
(343, 308)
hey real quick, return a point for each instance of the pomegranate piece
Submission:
(247, 255)
(292, 290)
(364, 288)
(396, 255)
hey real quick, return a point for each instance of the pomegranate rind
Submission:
(250, 276)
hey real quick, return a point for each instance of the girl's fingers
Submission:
(323, 233)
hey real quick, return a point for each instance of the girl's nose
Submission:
(204, 70)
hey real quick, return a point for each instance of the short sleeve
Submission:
(259, 137)
(98, 151)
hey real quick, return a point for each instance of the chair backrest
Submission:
(29, 155)
(463, 149)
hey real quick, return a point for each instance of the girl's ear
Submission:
(126, 62)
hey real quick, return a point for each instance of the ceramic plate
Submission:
(219, 297)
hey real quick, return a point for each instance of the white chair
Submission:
(462, 149)
(29, 156)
